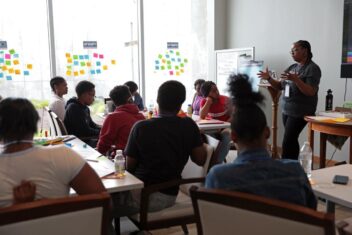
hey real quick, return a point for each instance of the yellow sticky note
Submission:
(82, 72)
(4, 68)
(105, 67)
(182, 71)
(113, 61)
(177, 73)
(68, 55)
(29, 66)
(11, 70)
(17, 71)
(68, 72)
(75, 73)
(16, 62)
(89, 64)
(69, 60)
(341, 119)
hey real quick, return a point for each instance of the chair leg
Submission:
(117, 225)
(184, 228)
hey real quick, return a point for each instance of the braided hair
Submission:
(306, 45)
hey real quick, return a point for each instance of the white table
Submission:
(333, 193)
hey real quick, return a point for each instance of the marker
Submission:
(92, 160)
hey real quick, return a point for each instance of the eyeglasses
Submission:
(294, 50)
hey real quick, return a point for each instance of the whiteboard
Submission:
(227, 63)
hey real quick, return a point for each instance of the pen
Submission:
(92, 160)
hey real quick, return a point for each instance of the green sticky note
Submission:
(160, 56)
(83, 63)
(12, 51)
(169, 67)
(75, 57)
(185, 60)
(1, 52)
(171, 51)
(182, 65)
(8, 62)
(162, 67)
(177, 53)
(69, 67)
(168, 62)
(176, 67)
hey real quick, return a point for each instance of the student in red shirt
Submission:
(117, 125)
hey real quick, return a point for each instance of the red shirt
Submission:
(218, 110)
(117, 127)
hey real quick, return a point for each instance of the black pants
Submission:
(293, 127)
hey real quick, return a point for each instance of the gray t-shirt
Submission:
(298, 104)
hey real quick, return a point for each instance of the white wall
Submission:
(273, 25)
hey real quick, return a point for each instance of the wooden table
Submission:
(323, 187)
(325, 128)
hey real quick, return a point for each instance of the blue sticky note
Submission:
(98, 71)
(2, 60)
(81, 57)
(98, 63)
(75, 62)
(86, 57)
(26, 73)
(9, 78)
(92, 72)
(167, 56)
(157, 62)
(173, 59)
(15, 56)
(1, 75)
(179, 59)
(156, 67)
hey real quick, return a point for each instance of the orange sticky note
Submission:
(105, 67)
(82, 72)
(4, 68)
(69, 60)
(16, 62)
(68, 72)
(113, 61)
(75, 73)
(68, 55)
(11, 70)
(163, 60)
(89, 64)
(17, 71)
(29, 66)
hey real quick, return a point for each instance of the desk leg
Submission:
(323, 138)
(350, 149)
(330, 207)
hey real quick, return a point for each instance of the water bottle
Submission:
(119, 164)
(189, 110)
(329, 100)
(305, 158)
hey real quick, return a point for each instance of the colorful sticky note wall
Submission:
(171, 61)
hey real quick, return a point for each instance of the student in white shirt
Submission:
(59, 88)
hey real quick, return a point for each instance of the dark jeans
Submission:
(293, 127)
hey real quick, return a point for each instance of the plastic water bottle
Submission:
(305, 158)
(189, 110)
(119, 164)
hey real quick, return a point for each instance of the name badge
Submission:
(287, 90)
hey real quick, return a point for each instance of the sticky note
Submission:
(176, 67)
(157, 62)
(8, 62)
(177, 53)
(4, 68)
(16, 62)
(156, 67)
(75, 57)
(69, 67)
(89, 64)
(179, 59)
(26, 73)
(160, 56)
(177, 73)
(167, 56)
(173, 59)
(68, 72)
(162, 67)
(92, 71)
(182, 65)
(17, 72)
(171, 72)
(169, 67)
(1, 52)
(1, 75)
(68, 55)
(82, 72)
(105, 67)
(69, 60)
(171, 51)
(98, 71)
(15, 55)
(75, 73)
(86, 57)
(185, 60)
(83, 63)
(9, 78)
(168, 62)
(101, 56)
(12, 51)
(2, 60)
(163, 60)
(11, 70)
(182, 71)
(75, 62)
(81, 57)
(29, 66)
(113, 61)
(98, 63)
(95, 55)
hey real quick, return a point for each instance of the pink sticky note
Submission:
(7, 56)
(171, 72)
(101, 56)
(95, 55)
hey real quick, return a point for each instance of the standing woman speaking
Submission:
(300, 84)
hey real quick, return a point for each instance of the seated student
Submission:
(197, 98)
(254, 171)
(159, 148)
(137, 99)
(77, 116)
(59, 87)
(52, 169)
(117, 125)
